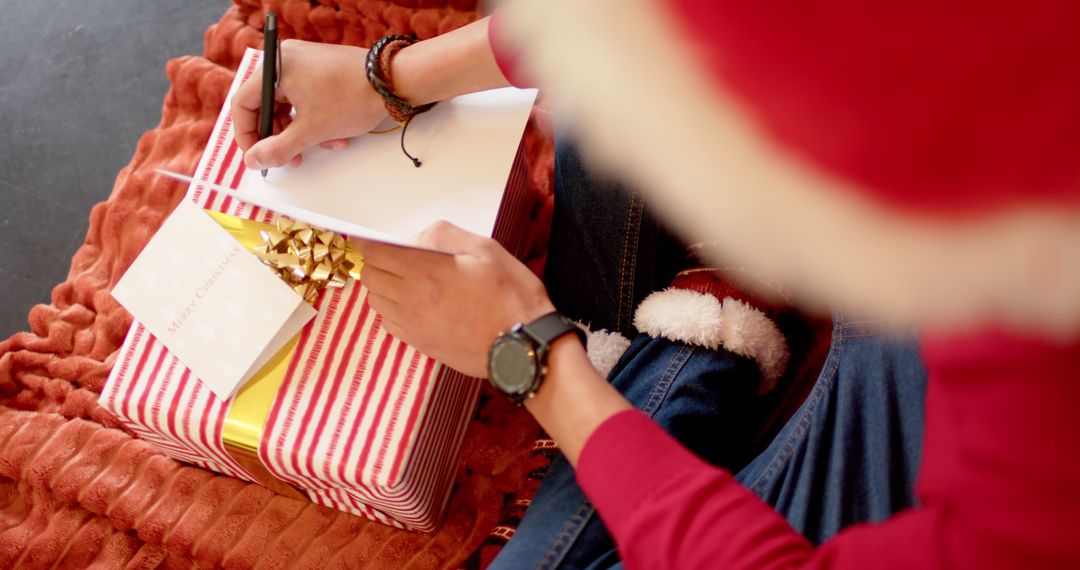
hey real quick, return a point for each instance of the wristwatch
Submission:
(517, 362)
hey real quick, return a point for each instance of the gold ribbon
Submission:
(307, 259)
(246, 420)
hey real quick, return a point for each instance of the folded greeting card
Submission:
(467, 147)
(210, 301)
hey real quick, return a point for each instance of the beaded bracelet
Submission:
(378, 75)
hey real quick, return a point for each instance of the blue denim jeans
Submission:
(849, 453)
(606, 253)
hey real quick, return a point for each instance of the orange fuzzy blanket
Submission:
(77, 491)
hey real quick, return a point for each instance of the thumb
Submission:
(279, 149)
(448, 238)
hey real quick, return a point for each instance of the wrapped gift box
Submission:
(345, 414)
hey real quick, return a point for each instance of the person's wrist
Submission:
(360, 85)
(528, 311)
(525, 314)
(359, 88)
(360, 106)
(518, 358)
(562, 347)
(407, 85)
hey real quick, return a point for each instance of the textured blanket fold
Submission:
(77, 491)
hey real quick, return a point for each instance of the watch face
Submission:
(512, 366)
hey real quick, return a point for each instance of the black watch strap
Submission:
(552, 326)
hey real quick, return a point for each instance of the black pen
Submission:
(269, 78)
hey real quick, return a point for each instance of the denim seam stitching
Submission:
(630, 233)
(571, 529)
(622, 265)
(660, 390)
(846, 324)
(862, 334)
(802, 428)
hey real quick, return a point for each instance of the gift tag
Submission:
(211, 302)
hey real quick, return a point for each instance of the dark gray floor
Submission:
(80, 81)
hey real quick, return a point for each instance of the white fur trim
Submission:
(605, 348)
(628, 88)
(702, 320)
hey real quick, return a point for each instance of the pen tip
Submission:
(264, 173)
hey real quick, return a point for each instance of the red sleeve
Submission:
(1001, 456)
(998, 484)
(506, 53)
(668, 509)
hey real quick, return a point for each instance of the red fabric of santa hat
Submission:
(936, 107)
(915, 161)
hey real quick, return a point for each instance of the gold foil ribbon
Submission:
(246, 420)
(309, 260)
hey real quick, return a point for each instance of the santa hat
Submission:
(703, 307)
(917, 161)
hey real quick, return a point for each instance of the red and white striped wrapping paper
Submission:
(362, 423)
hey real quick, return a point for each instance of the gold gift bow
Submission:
(313, 269)
(307, 259)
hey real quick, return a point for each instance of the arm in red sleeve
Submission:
(997, 486)
(668, 509)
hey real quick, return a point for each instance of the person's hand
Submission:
(451, 307)
(326, 85)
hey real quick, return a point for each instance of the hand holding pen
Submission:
(326, 86)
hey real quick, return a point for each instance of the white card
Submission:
(211, 302)
(372, 190)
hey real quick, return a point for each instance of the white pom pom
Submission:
(701, 320)
(605, 349)
(679, 314)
